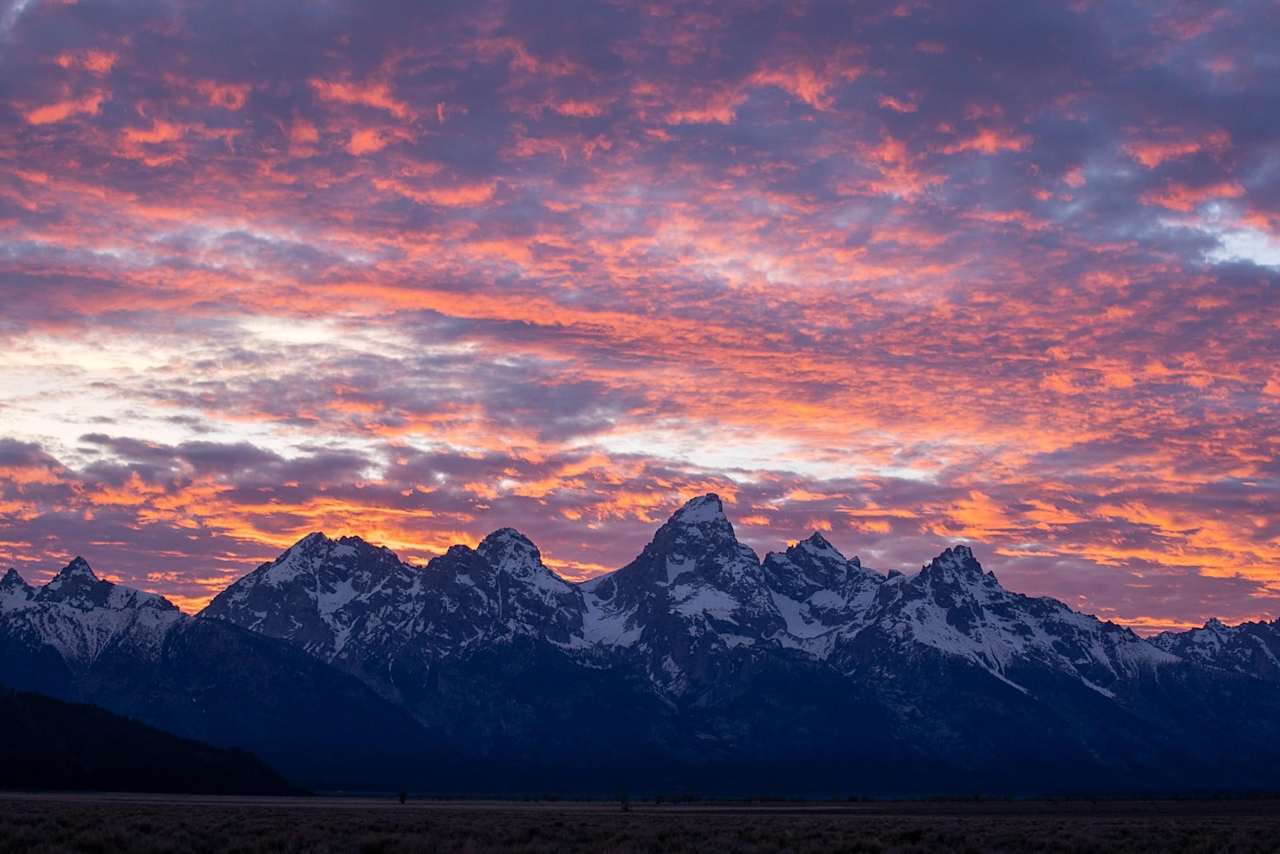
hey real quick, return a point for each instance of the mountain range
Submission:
(697, 666)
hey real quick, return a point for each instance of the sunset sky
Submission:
(909, 273)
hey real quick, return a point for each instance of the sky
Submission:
(907, 273)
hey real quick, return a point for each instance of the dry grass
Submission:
(104, 824)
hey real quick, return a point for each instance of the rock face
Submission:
(804, 672)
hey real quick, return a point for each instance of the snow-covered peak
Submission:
(692, 589)
(11, 578)
(305, 557)
(705, 509)
(76, 584)
(457, 551)
(319, 590)
(504, 536)
(956, 561)
(699, 527)
(79, 587)
(82, 616)
(820, 547)
(514, 555)
(955, 576)
(15, 592)
(956, 608)
(958, 554)
(817, 590)
(78, 569)
(813, 561)
(329, 571)
(1252, 648)
(508, 550)
(316, 541)
(1202, 643)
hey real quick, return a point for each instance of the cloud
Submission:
(867, 268)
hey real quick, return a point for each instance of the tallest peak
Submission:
(78, 568)
(704, 508)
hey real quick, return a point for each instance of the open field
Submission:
(108, 823)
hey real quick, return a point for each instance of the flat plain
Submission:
(141, 823)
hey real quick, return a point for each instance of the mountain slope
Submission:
(688, 604)
(83, 639)
(49, 744)
(476, 644)
(956, 608)
(817, 590)
(1249, 648)
(84, 617)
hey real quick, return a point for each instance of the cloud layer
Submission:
(905, 272)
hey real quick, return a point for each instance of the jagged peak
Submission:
(510, 553)
(458, 550)
(508, 550)
(78, 569)
(315, 538)
(305, 546)
(77, 584)
(818, 545)
(1215, 624)
(505, 538)
(701, 510)
(318, 543)
(14, 590)
(460, 559)
(304, 558)
(957, 559)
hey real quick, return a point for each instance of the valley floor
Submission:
(100, 823)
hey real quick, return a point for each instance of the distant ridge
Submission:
(696, 664)
(49, 744)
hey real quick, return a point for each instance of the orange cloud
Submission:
(370, 140)
(368, 94)
(1152, 153)
(98, 62)
(988, 141)
(62, 110)
(229, 96)
(809, 82)
(1185, 198)
(898, 105)
(580, 109)
(456, 195)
